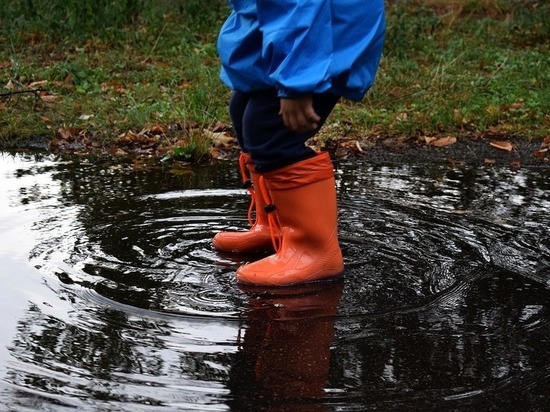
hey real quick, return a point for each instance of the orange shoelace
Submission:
(272, 218)
(247, 184)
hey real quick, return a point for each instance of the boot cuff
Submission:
(302, 173)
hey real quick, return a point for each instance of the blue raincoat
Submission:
(302, 46)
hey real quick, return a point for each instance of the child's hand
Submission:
(299, 115)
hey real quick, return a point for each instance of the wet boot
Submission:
(301, 205)
(257, 238)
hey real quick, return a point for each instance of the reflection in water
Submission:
(114, 299)
(284, 357)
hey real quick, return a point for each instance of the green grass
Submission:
(461, 68)
(456, 67)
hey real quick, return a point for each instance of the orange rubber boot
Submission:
(301, 200)
(257, 238)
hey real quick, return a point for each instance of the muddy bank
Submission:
(517, 153)
(512, 152)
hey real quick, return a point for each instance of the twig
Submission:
(154, 45)
(9, 94)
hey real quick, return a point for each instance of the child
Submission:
(288, 63)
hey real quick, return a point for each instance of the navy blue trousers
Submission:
(261, 132)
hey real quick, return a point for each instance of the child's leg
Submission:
(258, 237)
(237, 107)
(270, 143)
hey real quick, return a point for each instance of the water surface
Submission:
(113, 298)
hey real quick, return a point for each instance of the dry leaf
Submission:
(128, 137)
(489, 162)
(444, 141)
(428, 140)
(68, 134)
(35, 85)
(541, 154)
(157, 128)
(502, 145)
(221, 127)
(221, 138)
(85, 116)
(116, 86)
(50, 98)
(517, 105)
(352, 145)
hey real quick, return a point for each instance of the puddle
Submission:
(113, 298)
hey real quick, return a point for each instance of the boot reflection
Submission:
(284, 359)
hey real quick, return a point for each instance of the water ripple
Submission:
(444, 302)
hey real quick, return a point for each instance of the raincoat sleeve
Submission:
(297, 44)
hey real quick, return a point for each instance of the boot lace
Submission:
(247, 184)
(272, 218)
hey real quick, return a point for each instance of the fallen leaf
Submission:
(35, 85)
(352, 145)
(428, 140)
(215, 153)
(220, 138)
(116, 86)
(68, 134)
(49, 98)
(128, 137)
(516, 105)
(158, 128)
(489, 162)
(85, 116)
(221, 127)
(541, 154)
(444, 141)
(503, 145)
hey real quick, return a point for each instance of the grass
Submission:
(145, 74)
(463, 68)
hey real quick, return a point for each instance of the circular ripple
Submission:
(444, 298)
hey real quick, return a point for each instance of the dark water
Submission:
(112, 298)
